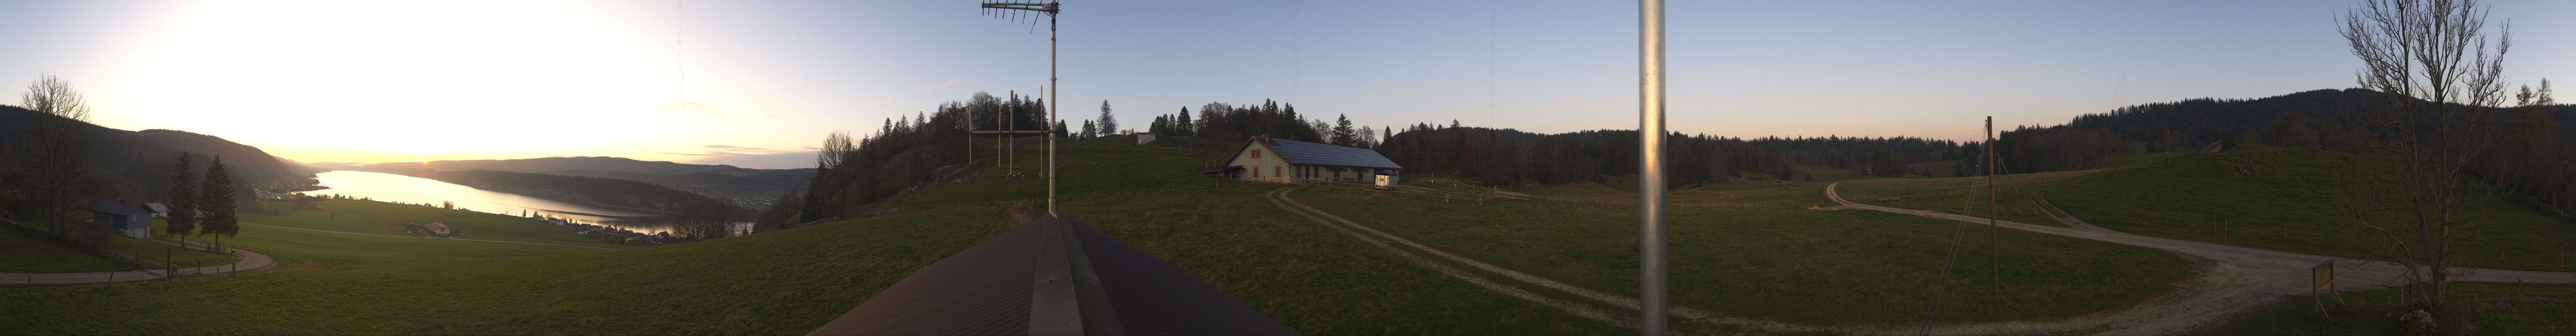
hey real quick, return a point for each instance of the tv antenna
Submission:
(1027, 10)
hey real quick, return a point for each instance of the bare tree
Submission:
(704, 220)
(2432, 61)
(56, 155)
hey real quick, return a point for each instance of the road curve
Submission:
(2245, 278)
(250, 261)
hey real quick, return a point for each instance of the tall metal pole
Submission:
(1992, 189)
(1051, 104)
(1013, 123)
(1650, 178)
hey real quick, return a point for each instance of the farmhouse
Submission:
(434, 229)
(1289, 161)
(129, 218)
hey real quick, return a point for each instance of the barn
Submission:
(129, 218)
(1267, 159)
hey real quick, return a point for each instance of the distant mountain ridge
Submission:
(551, 164)
(719, 180)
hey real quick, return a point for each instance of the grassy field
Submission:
(2501, 309)
(1306, 276)
(2140, 159)
(372, 217)
(23, 250)
(293, 247)
(1953, 195)
(785, 282)
(1820, 173)
(1763, 259)
(2278, 198)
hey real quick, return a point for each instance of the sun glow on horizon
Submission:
(363, 81)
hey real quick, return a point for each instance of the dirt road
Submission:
(2237, 279)
(2232, 280)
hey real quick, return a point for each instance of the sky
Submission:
(759, 83)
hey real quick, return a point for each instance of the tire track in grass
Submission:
(1280, 197)
(1277, 197)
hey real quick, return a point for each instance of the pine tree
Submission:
(1453, 123)
(1090, 130)
(1343, 135)
(216, 199)
(183, 200)
(1183, 125)
(1108, 123)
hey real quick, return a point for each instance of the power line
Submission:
(1956, 237)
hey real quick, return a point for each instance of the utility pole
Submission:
(1993, 244)
(1651, 301)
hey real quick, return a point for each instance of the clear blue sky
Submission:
(776, 76)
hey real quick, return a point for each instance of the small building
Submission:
(437, 229)
(1267, 159)
(129, 218)
(1143, 138)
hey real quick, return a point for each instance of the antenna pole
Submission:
(1014, 123)
(1650, 178)
(1051, 103)
(1051, 9)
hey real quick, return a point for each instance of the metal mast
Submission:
(1650, 181)
(1050, 8)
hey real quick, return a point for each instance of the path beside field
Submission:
(2242, 280)
(250, 261)
(2219, 284)
(476, 240)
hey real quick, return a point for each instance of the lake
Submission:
(414, 190)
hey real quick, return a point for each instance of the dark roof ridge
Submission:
(1301, 152)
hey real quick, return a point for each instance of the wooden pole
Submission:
(1994, 245)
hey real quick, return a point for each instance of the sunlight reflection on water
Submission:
(406, 189)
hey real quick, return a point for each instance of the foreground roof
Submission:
(999, 286)
(1301, 152)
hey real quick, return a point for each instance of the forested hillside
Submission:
(137, 165)
(2523, 144)
(1512, 157)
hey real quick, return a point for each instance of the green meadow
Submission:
(1770, 258)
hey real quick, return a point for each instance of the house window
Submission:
(1256, 153)
(1274, 170)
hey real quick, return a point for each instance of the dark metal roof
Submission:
(119, 207)
(1000, 285)
(1301, 152)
